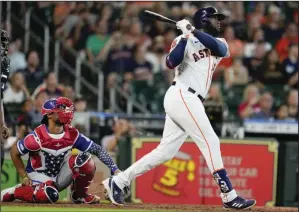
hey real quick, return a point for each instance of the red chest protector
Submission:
(69, 138)
(54, 151)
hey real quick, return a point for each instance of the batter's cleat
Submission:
(239, 203)
(89, 199)
(116, 195)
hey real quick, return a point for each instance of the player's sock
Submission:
(226, 188)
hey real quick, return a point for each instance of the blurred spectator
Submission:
(33, 73)
(81, 116)
(136, 35)
(236, 48)
(259, 12)
(254, 63)
(120, 128)
(215, 98)
(16, 91)
(238, 21)
(116, 54)
(266, 104)
(295, 17)
(157, 56)
(257, 37)
(139, 66)
(24, 118)
(69, 92)
(237, 74)
(111, 80)
(292, 102)
(282, 113)
(273, 27)
(35, 114)
(290, 67)
(250, 102)
(131, 10)
(50, 86)
(158, 28)
(214, 95)
(169, 36)
(82, 30)
(80, 105)
(123, 25)
(105, 13)
(290, 37)
(96, 42)
(175, 13)
(65, 18)
(62, 11)
(270, 71)
(17, 58)
(253, 25)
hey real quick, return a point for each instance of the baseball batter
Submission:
(194, 55)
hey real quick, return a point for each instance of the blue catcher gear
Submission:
(201, 17)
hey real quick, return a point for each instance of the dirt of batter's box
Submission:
(153, 207)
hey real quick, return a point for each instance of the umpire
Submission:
(5, 63)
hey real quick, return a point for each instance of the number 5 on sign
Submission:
(170, 178)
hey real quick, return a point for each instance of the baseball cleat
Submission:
(89, 199)
(115, 194)
(239, 203)
(7, 195)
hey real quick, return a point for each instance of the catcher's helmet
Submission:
(201, 17)
(62, 106)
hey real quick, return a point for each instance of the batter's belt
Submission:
(191, 90)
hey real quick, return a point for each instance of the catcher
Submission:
(51, 168)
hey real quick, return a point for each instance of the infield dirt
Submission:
(153, 207)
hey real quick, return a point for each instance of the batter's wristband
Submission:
(114, 169)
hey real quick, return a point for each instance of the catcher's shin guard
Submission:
(40, 193)
(83, 168)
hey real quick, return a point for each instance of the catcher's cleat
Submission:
(7, 195)
(116, 195)
(89, 199)
(239, 203)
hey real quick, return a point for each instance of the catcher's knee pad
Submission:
(40, 193)
(83, 168)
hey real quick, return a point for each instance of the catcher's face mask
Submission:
(4, 43)
(62, 106)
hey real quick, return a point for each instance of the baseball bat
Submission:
(159, 17)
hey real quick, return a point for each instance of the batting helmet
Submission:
(201, 17)
(62, 106)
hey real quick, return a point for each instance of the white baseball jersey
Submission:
(185, 116)
(198, 65)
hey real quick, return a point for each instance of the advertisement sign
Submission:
(186, 179)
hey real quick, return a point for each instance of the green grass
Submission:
(54, 209)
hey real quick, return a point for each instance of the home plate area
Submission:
(60, 206)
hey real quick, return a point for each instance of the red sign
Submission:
(186, 179)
